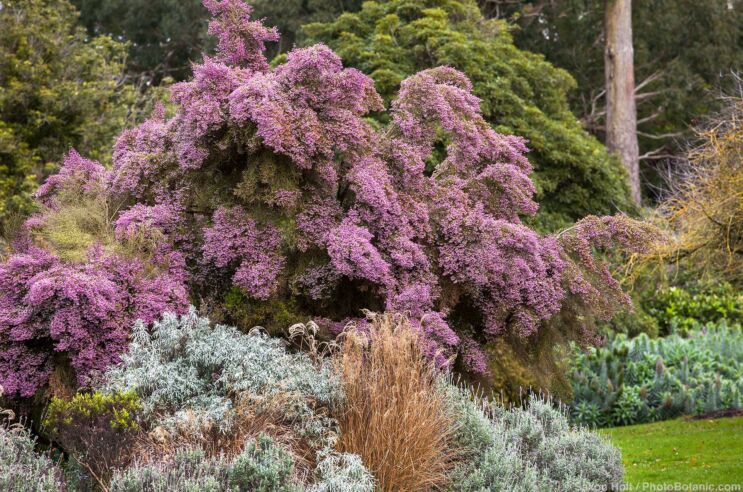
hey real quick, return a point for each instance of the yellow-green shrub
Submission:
(98, 429)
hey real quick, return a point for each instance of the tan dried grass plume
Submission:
(394, 417)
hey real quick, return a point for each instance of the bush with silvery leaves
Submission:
(19, 464)
(184, 369)
(531, 449)
(263, 466)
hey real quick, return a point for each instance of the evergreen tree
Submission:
(166, 36)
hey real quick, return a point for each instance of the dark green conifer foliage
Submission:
(685, 54)
(166, 36)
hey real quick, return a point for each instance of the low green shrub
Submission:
(681, 310)
(98, 430)
(630, 381)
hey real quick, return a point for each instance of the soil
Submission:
(730, 412)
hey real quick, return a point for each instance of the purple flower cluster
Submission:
(235, 240)
(240, 41)
(273, 181)
(79, 312)
(77, 175)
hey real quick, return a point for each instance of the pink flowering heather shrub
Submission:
(55, 311)
(271, 194)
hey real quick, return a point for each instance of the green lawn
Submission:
(682, 451)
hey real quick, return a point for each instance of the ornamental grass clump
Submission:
(394, 417)
(270, 191)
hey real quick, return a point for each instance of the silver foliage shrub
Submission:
(261, 467)
(185, 369)
(342, 472)
(533, 449)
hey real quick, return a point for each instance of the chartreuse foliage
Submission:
(520, 92)
(58, 88)
(643, 380)
(681, 310)
(119, 410)
(97, 430)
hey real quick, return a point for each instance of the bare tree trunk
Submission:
(621, 113)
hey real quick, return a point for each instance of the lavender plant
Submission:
(261, 467)
(20, 465)
(529, 449)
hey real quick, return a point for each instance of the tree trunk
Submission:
(621, 113)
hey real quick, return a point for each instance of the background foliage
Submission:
(685, 50)
(642, 380)
(59, 88)
(166, 36)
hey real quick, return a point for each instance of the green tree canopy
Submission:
(521, 93)
(58, 89)
(166, 36)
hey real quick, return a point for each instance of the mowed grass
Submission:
(682, 451)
